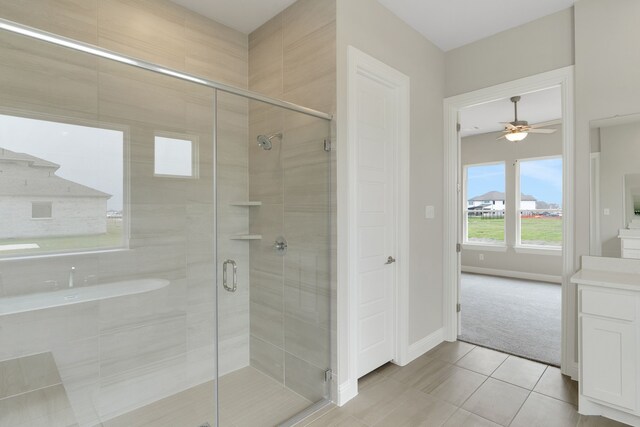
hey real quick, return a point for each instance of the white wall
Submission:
(606, 84)
(368, 26)
(485, 149)
(542, 45)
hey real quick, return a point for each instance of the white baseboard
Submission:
(515, 274)
(346, 391)
(420, 347)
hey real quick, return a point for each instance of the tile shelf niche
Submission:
(246, 237)
(246, 203)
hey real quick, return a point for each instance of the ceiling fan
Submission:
(517, 130)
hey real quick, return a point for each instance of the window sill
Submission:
(484, 247)
(24, 257)
(538, 250)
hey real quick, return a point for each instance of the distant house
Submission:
(35, 202)
(495, 201)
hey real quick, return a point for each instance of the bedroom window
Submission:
(539, 202)
(484, 204)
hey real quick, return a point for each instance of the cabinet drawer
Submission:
(608, 304)
(631, 243)
(631, 253)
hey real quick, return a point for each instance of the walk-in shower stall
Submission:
(164, 244)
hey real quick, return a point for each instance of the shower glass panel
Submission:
(274, 205)
(164, 248)
(107, 260)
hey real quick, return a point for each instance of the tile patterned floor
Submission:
(461, 385)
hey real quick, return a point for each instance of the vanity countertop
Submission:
(607, 279)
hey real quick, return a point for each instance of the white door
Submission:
(376, 135)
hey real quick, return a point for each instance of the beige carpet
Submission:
(519, 317)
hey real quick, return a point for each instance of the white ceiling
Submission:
(242, 15)
(535, 107)
(454, 23)
(447, 23)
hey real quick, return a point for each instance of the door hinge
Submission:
(458, 307)
(458, 187)
(328, 375)
(328, 146)
(458, 127)
(458, 247)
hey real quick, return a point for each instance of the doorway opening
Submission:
(511, 225)
(509, 201)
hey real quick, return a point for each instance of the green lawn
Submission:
(111, 239)
(535, 231)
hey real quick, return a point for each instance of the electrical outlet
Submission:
(481, 257)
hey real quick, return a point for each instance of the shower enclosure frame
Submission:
(76, 45)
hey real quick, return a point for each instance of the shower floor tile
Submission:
(247, 398)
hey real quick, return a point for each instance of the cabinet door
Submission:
(609, 361)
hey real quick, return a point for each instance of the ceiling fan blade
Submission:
(501, 137)
(508, 125)
(534, 130)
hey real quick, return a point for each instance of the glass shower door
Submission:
(274, 228)
(107, 262)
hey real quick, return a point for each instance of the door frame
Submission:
(563, 78)
(361, 64)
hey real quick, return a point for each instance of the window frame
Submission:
(466, 243)
(526, 248)
(195, 150)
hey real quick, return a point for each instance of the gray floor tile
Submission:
(497, 401)
(337, 418)
(464, 418)
(377, 401)
(418, 409)
(521, 372)
(586, 421)
(482, 360)
(458, 387)
(554, 384)
(543, 411)
(451, 351)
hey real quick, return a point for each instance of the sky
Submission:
(86, 155)
(541, 179)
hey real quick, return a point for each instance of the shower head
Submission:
(264, 141)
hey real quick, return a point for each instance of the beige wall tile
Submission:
(150, 30)
(267, 358)
(76, 19)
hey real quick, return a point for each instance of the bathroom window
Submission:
(175, 155)
(41, 210)
(62, 187)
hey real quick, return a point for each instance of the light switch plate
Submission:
(429, 212)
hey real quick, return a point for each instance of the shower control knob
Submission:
(280, 245)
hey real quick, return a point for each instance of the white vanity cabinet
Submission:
(609, 338)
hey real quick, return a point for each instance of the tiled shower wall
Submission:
(293, 57)
(117, 354)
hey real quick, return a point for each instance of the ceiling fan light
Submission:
(516, 136)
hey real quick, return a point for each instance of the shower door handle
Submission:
(225, 282)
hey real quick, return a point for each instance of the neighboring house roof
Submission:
(38, 178)
(499, 195)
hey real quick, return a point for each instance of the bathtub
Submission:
(40, 301)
